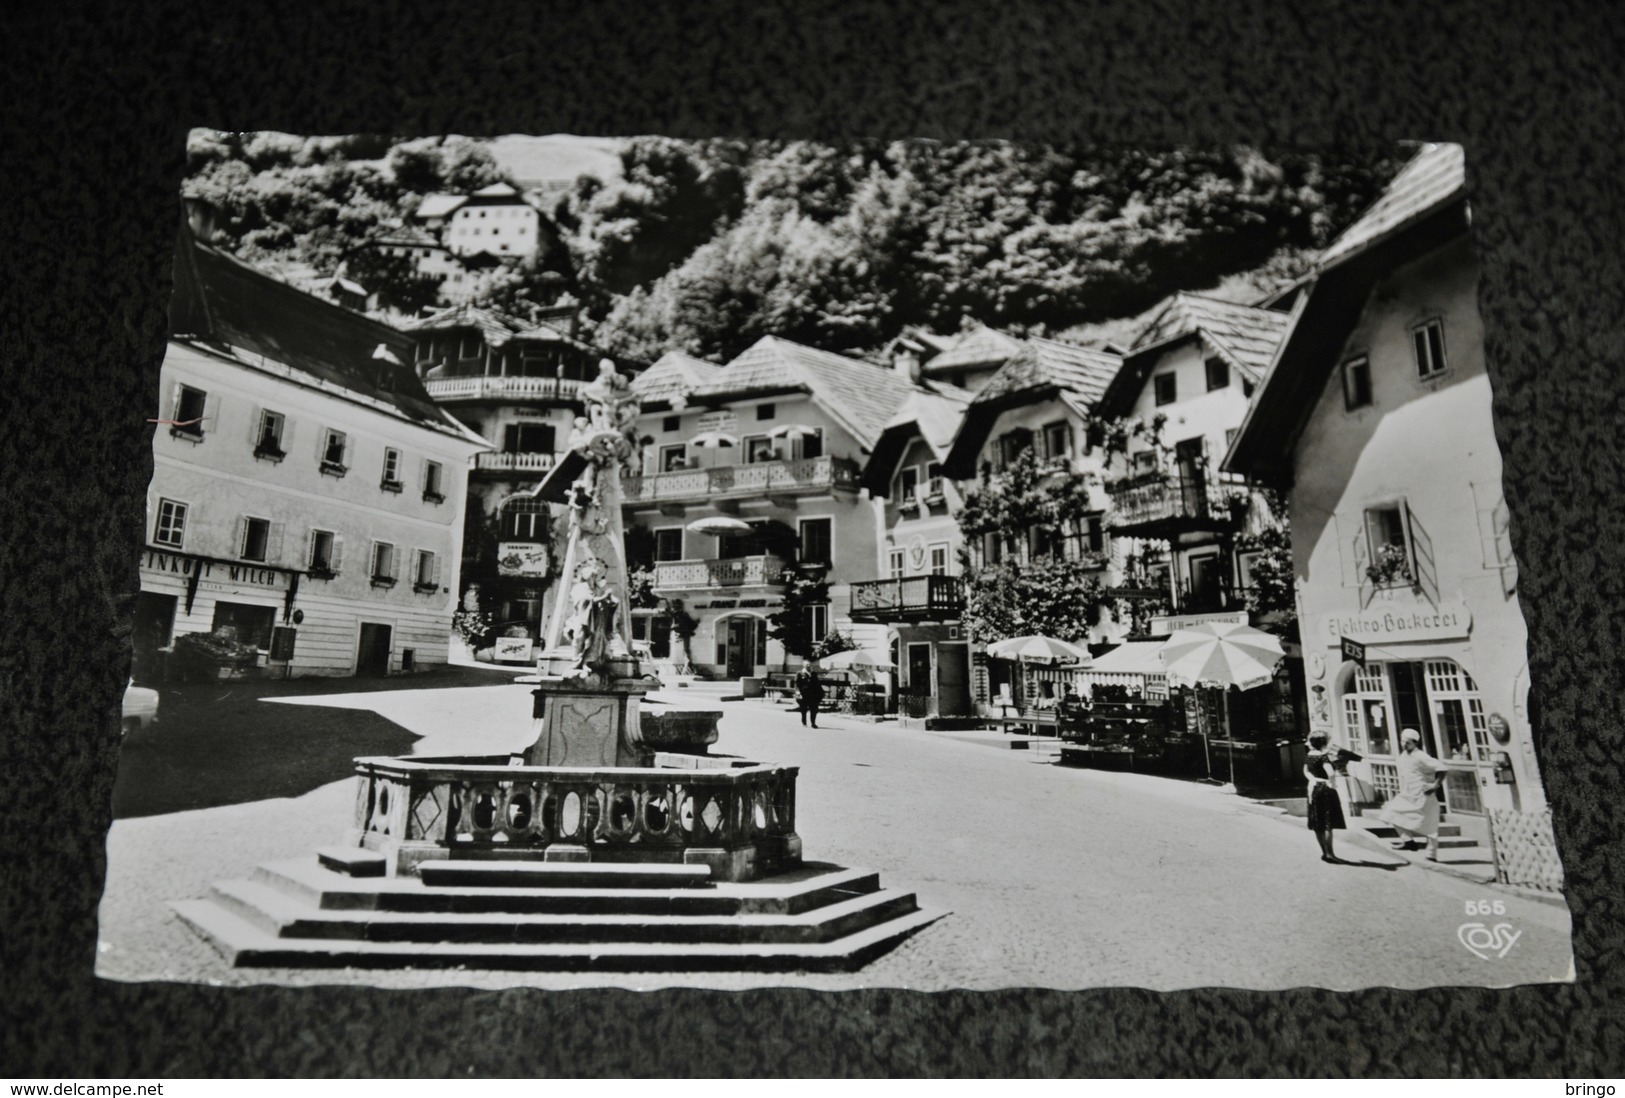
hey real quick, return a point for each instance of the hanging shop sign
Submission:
(522, 558)
(217, 575)
(1354, 650)
(513, 648)
(1450, 620)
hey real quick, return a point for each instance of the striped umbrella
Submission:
(1221, 654)
(1038, 649)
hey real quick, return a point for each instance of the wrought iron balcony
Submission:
(501, 388)
(762, 478)
(765, 570)
(908, 599)
(533, 462)
(1160, 505)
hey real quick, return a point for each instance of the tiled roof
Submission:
(860, 396)
(1245, 334)
(935, 413)
(220, 299)
(497, 190)
(1435, 175)
(981, 346)
(439, 205)
(1045, 363)
(674, 374)
(496, 327)
(406, 234)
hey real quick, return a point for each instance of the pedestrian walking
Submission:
(809, 692)
(1325, 809)
(1070, 713)
(1415, 810)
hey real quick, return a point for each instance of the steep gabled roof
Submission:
(1435, 175)
(981, 346)
(1423, 209)
(859, 396)
(674, 375)
(1245, 336)
(931, 413)
(1042, 369)
(495, 326)
(219, 299)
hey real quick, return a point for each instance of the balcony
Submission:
(513, 463)
(1163, 505)
(908, 599)
(501, 388)
(706, 575)
(759, 480)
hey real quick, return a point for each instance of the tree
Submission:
(394, 278)
(792, 625)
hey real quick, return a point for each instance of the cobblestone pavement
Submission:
(1053, 877)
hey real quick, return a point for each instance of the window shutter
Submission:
(273, 543)
(1502, 519)
(310, 550)
(338, 554)
(287, 433)
(255, 417)
(1427, 572)
(239, 536)
(211, 413)
(1041, 444)
(434, 569)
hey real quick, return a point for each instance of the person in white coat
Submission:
(1414, 812)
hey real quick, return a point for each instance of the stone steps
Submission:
(508, 916)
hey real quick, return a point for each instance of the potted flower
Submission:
(1391, 568)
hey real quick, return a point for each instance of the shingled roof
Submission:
(932, 413)
(495, 326)
(1245, 336)
(1435, 175)
(1042, 369)
(981, 346)
(1423, 209)
(859, 396)
(674, 375)
(219, 299)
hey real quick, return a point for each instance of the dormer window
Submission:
(1218, 373)
(1165, 388)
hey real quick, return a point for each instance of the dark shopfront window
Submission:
(250, 624)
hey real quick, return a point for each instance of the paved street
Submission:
(1053, 877)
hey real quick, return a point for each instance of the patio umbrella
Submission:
(1038, 649)
(712, 439)
(1221, 654)
(718, 525)
(791, 430)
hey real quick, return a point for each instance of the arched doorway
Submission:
(741, 645)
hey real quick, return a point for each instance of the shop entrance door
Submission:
(154, 625)
(953, 680)
(372, 660)
(741, 658)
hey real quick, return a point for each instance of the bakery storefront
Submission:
(1411, 664)
(185, 593)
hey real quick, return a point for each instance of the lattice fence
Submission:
(1526, 849)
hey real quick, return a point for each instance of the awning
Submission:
(1131, 658)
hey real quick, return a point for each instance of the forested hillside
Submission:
(707, 246)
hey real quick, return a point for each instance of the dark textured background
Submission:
(97, 99)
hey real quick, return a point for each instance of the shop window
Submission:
(669, 543)
(391, 481)
(249, 625)
(268, 439)
(1165, 388)
(816, 537)
(896, 563)
(188, 417)
(1218, 373)
(1428, 342)
(171, 528)
(1357, 383)
(383, 564)
(1458, 712)
(433, 476)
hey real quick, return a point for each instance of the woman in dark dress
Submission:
(1325, 810)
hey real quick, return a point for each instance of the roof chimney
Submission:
(203, 218)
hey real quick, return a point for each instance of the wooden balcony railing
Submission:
(694, 575)
(1159, 504)
(499, 388)
(909, 598)
(764, 478)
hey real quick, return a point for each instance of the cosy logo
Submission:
(1483, 941)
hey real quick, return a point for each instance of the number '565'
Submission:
(1486, 907)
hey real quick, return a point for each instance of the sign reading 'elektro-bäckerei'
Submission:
(1395, 625)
